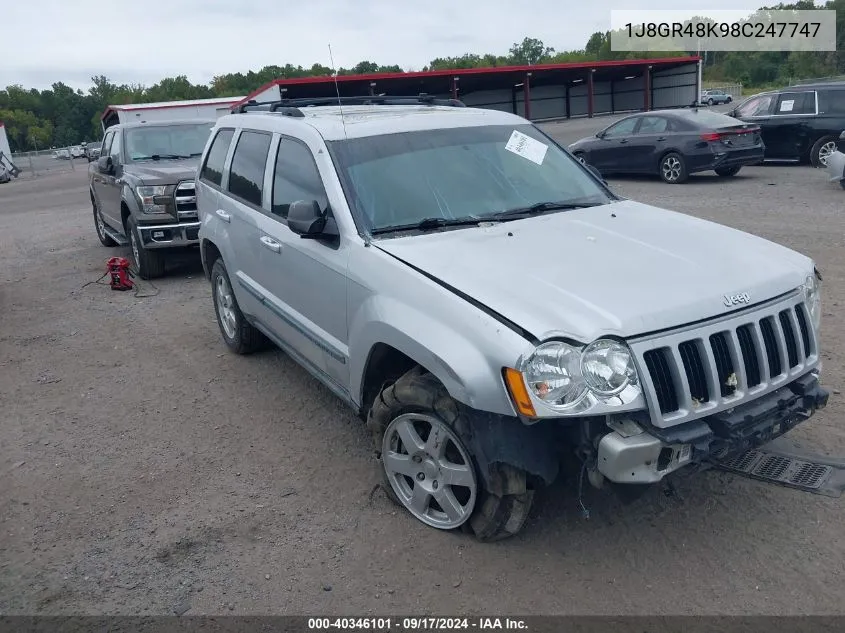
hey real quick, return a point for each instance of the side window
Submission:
(796, 103)
(832, 101)
(757, 106)
(106, 146)
(295, 178)
(653, 125)
(114, 152)
(212, 171)
(246, 176)
(623, 128)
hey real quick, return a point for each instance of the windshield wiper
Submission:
(542, 207)
(162, 156)
(428, 224)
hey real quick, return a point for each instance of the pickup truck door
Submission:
(112, 183)
(98, 179)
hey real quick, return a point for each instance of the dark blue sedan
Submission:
(673, 144)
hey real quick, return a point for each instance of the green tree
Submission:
(530, 51)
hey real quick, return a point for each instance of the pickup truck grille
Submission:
(186, 200)
(701, 370)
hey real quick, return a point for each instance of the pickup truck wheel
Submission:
(149, 263)
(100, 225)
(421, 436)
(237, 333)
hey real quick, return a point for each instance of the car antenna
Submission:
(337, 90)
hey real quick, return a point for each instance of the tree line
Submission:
(61, 116)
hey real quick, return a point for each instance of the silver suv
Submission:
(492, 309)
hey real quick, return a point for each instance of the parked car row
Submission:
(476, 294)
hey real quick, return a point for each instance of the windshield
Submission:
(471, 172)
(166, 141)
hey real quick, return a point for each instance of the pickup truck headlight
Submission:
(153, 199)
(812, 289)
(572, 380)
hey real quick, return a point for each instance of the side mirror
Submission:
(104, 164)
(308, 220)
(600, 134)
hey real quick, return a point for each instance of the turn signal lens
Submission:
(519, 392)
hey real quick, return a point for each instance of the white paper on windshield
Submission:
(527, 147)
(786, 106)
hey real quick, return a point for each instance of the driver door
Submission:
(609, 150)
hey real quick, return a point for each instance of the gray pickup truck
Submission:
(142, 189)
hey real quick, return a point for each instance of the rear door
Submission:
(643, 148)
(789, 131)
(610, 152)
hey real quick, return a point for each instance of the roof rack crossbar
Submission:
(291, 107)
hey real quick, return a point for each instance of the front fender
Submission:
(471, 376)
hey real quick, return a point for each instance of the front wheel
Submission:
(149, 263)
(821, 151)
(673, 169)
(728, 100)
(726, 172)
(421, 436)
(100, 225)
(710, 102)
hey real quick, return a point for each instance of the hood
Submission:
(163, 172)
(581, 141)
(624, 269)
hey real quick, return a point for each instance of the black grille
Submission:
(789, 336)
(805, 331)
(772, 352)
(749, 355)
(724, 363)
(661, 375)
(694, 369)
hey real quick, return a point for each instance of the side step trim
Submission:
(117, 237)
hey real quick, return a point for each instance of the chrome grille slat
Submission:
(185, 198)
(673, 365)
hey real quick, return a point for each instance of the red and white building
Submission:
(168, 110)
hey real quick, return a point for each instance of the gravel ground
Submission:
(146, 470)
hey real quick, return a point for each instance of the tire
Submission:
(710, 102)
(727, 172)
(149, 263)
(672, 168)
(822, 148)
(238, 334)
(842, 183)
(418, 400)
(100, 225)
(729, 99)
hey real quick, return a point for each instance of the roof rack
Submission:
(291, 107)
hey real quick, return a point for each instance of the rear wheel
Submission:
(842, 183)
(729, 99)
(821, 151)
(726, 172)
(238, 334)
(673, 169)
(421, 435)
(710, 101)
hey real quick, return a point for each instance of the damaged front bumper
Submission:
(638, 453)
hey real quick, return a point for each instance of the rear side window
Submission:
(756, 106)
(653, 125)
(796, 103)
(295, 178)
(106, 146)
(832, 101)
(212, 171)
(246, 176)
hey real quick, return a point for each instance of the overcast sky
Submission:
(142, 41)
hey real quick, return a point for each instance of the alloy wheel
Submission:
(429, 470)
(671, 168)
(226, 307)
(825, 151)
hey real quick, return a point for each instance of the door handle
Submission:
(269, 242)
(224, 216)
(624, 140)
(661, 138)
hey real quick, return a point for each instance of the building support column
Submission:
(647, 89)
(568, 104)
(527, 95)
(590, 104)
(455, 87)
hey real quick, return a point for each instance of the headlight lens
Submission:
(813, 297)
(147, 197)
(553, 374)
(608, 367)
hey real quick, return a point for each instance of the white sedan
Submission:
(835, 163)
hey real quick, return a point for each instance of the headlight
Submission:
(573, 380)
(608, 367)
(152, 198)
(553, 374)
(812, 289)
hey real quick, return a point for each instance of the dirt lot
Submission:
(147, 470)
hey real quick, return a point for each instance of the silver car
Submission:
(835, 162)
(715, 97)
(492, 309)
